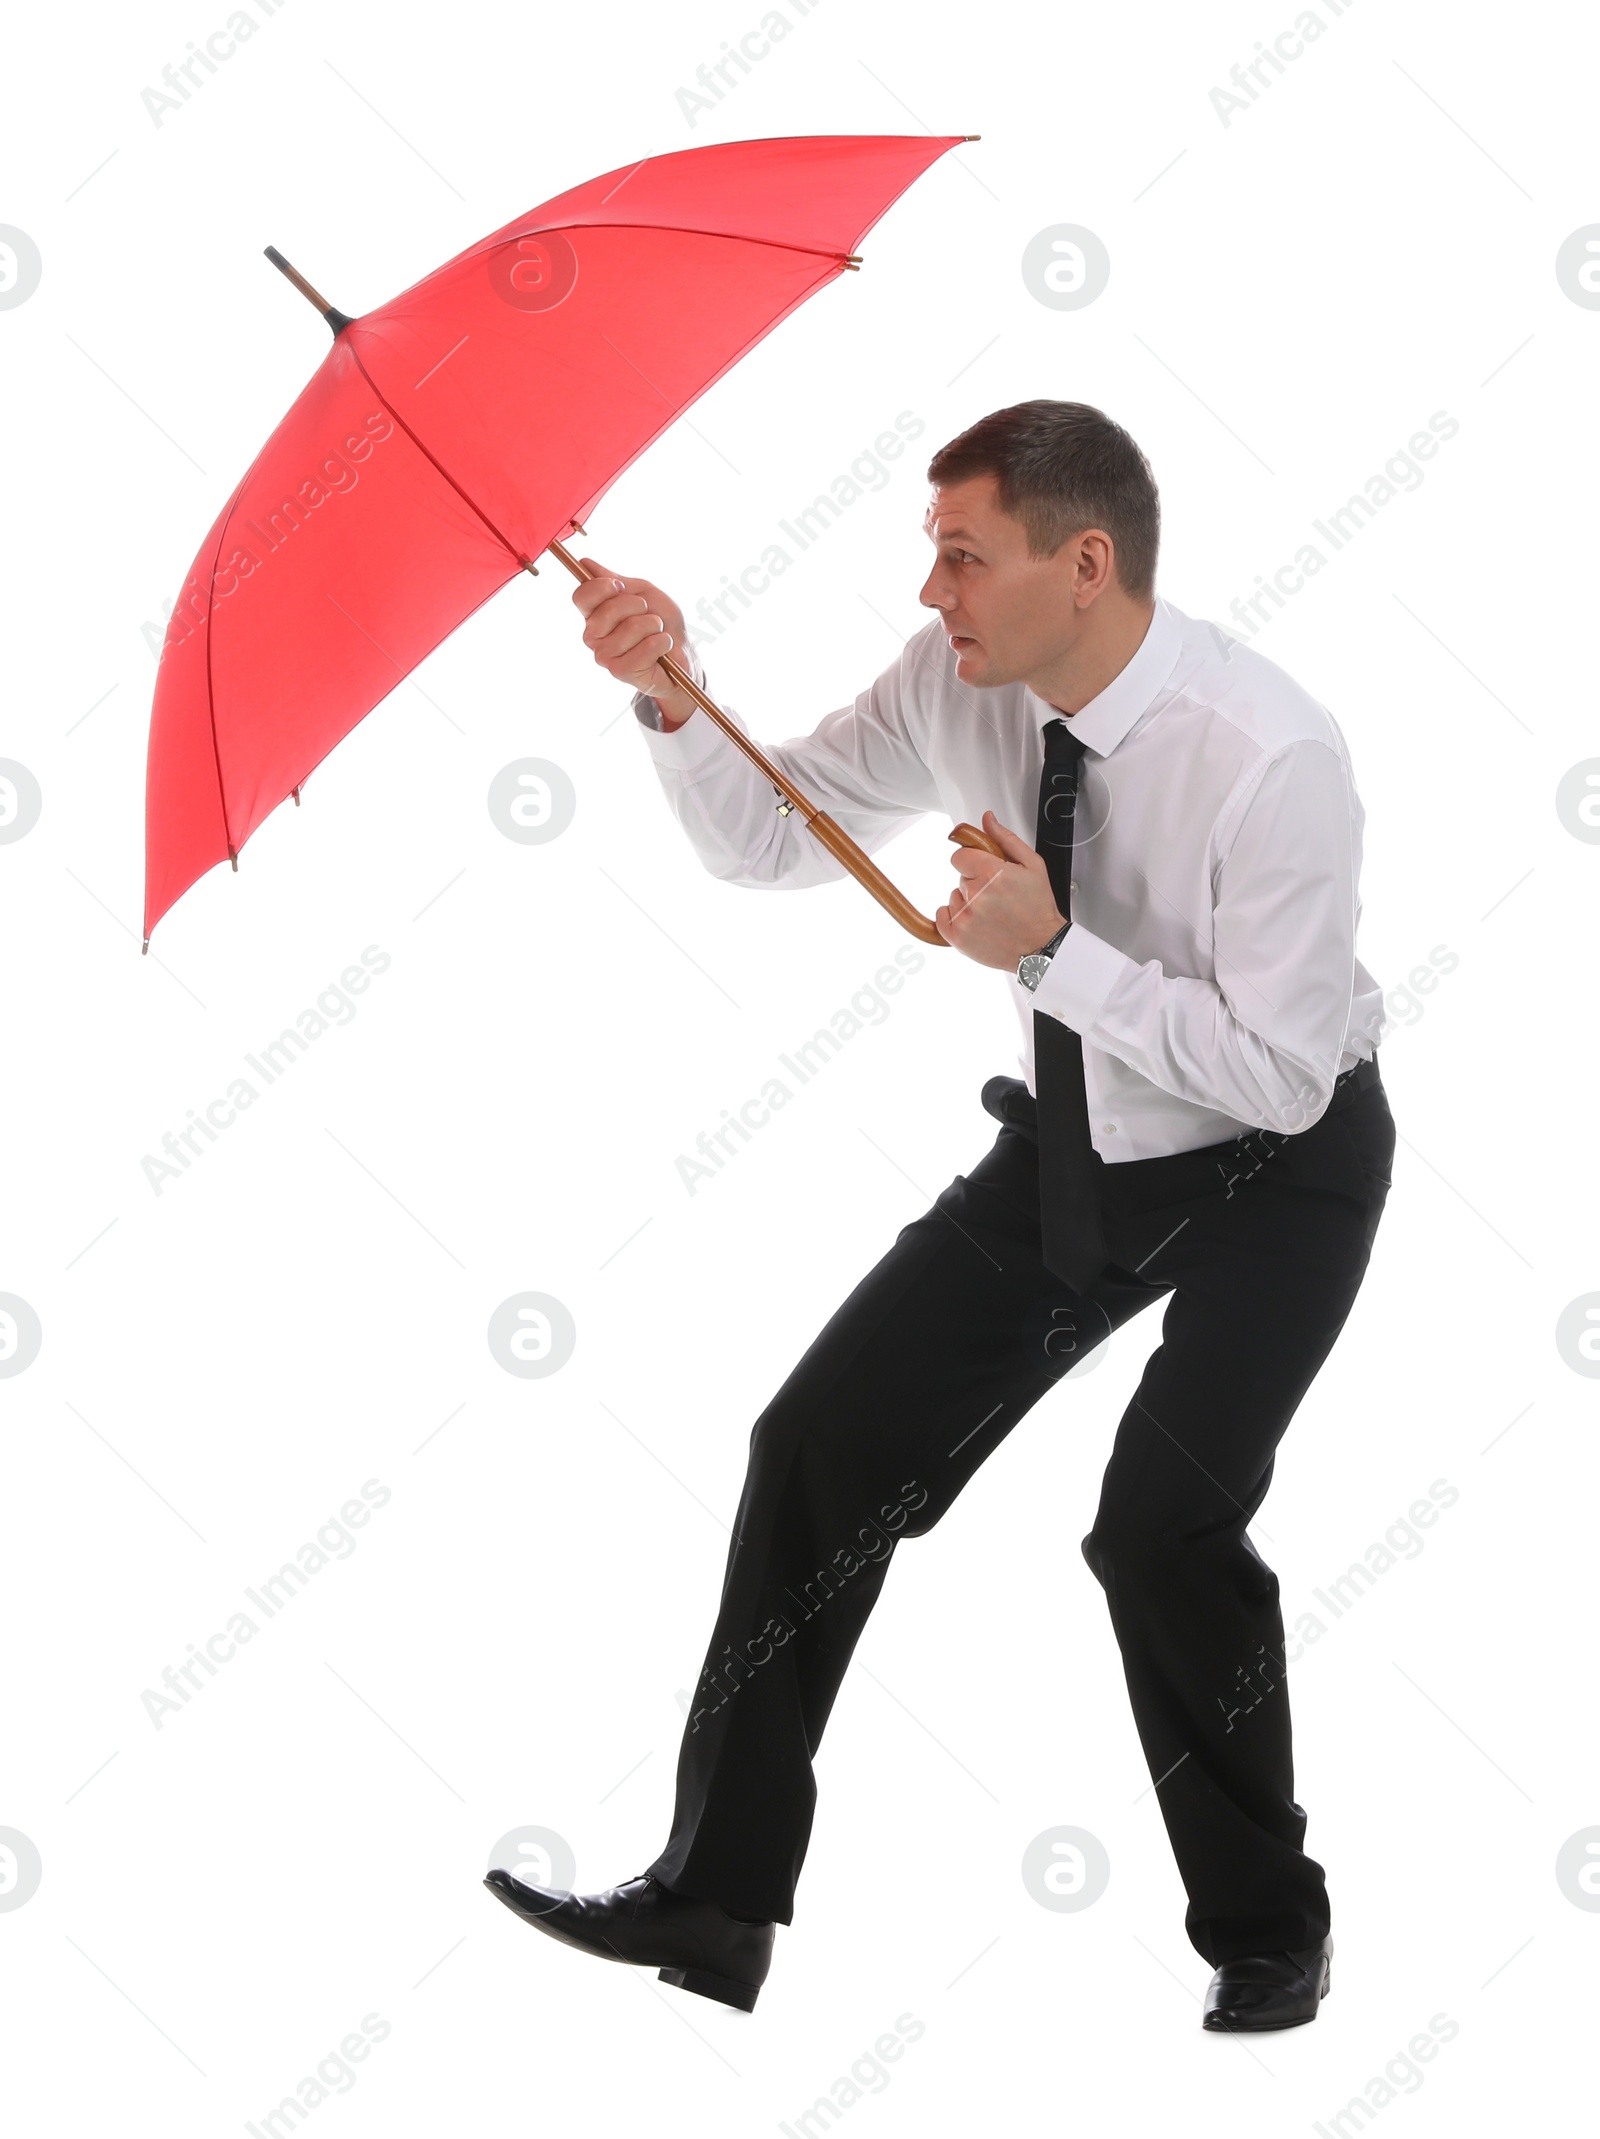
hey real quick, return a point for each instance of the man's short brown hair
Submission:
(1059, 467)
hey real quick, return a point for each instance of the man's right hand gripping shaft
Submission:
(629, 624)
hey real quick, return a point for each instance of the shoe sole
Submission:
(723, 1988)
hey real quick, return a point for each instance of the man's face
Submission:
(1008, 615)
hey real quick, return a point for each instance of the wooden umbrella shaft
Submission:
(837, 841)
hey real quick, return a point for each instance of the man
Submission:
(1200, 1120)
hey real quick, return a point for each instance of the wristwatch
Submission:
(1031, 969)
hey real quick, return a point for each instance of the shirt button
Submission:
(1073, 885)
(1108, 1128)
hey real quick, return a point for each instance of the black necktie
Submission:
(1069, 1196)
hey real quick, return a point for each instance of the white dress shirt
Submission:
(1211, 965)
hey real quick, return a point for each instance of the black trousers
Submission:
(1258, 1247)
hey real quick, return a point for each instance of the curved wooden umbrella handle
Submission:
(867, 873)
(837, 841)
(968, 835)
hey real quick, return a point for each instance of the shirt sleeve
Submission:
(861, 765)
(1262, 1041)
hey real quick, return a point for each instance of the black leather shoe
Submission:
(696, 1945)
(1268, 1990)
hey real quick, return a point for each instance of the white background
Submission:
(1292, 295)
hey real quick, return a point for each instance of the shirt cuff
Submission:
(693, 741)
(1081, 974)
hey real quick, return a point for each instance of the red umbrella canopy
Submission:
(451, 434)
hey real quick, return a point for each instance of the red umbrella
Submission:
(453, 434)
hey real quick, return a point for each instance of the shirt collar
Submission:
(1108, 716)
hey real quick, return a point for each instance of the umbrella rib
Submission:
(211, 701)
(815, 251)
(211, 695)
(222, 536)
(734, 237)
(691, 230)
(428, 457)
